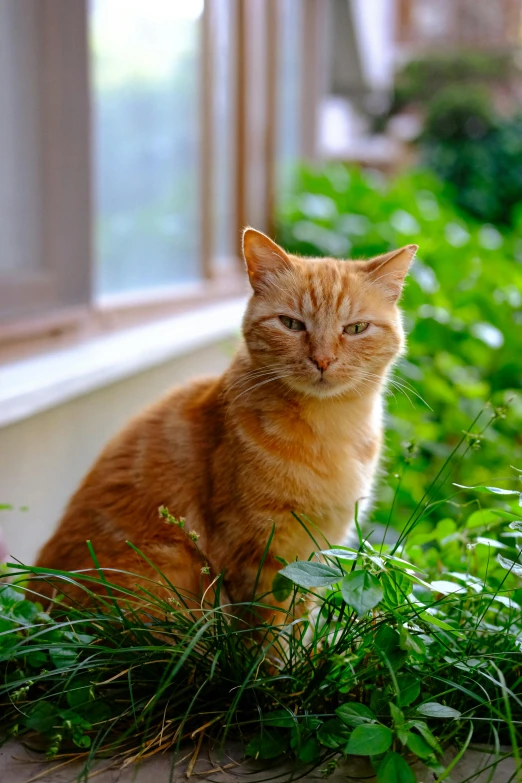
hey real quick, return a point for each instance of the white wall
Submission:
(42, 458)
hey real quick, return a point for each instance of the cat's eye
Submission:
(292, 323)
(356, 328)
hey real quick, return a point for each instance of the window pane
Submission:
(20, 175)
(224, 139)
(288, 131)
(145, 74)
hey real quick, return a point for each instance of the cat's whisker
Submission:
(378, 382)
(412, 390)
(259, 371)
(374, 384)
(402, 386)
(270, 377)
(257, 385)
(241, 383)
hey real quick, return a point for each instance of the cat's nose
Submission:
(322, 362)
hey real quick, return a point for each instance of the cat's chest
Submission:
(320, 466)
(339, 476)
(324, 474)
(326, 496)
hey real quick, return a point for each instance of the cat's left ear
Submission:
(389, 270)
(263, 258)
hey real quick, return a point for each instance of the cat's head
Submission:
(323, 326)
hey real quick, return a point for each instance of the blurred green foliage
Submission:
(469, 145)
(469, 104)
(423, 77)
(463, 312)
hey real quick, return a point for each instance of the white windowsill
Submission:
(33, 385)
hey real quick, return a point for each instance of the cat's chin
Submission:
(322, 389)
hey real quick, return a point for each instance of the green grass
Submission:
(410, 649)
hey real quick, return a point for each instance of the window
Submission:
(145, 67)
(137, 137)
(223, 29)
(288, 109)
(44, 187)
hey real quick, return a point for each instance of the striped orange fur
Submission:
(294, 424)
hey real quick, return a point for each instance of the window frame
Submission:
(59, 301)
(62, 93)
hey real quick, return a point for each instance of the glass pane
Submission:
(145, 74)
(20, 175)
(224, 139)
(289, 96)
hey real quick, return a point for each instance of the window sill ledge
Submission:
(33, 385)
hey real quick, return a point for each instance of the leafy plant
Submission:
(392, 664)
(476, 151)
(423, 77)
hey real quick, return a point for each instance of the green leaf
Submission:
(62, 656)
(509, 565)
(484, 517)
(333, 733)
(491, 542)
(82, 740)
(396, 658)
(280, 718)
(379, 701)
(387, 639)
(446, 587)
(387, 642)
(426, 733)
(310, 751)
(394, 769)
(430, 618)
(341, 552)
(354, 714)
(409, 689)
(25, 612)
(397, 715)
(369, 740)
(96, 711)
(79, 692)
(419, 746)
(396, 586)
(41, 717)
(411, 642)
(267, 745)
(493, 490)
(36, 659)
(435, 710)
(281, 587)
(10, 595)
(361, 590)
(312, 574)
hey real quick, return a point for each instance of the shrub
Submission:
(477, 152)
(423, 77)
(469, 103)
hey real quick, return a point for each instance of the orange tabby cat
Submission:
(294, 424)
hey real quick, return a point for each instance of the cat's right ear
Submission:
(263, 258)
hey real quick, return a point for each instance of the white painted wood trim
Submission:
(33, 385)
